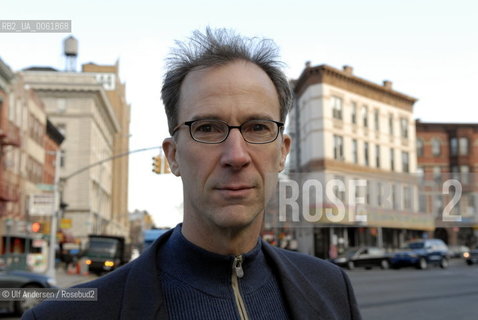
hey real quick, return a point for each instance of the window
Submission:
(438, 205)
(390, 124)
(340, 194)
(395, 198)
(436, 147)
(62, 158)
(392, 160)
(455, 172)
(365, 153)
(422, 203)
(437, 173)
(463, 146)
(377, 156)
(453, 146)
(464, 171)
(376, 119)
(420, 148)
(365, 116)
(420, 172)
(338, 147)
(354, 113)
(337, 107)
(34, 170)
(407, 198)
(354, 151)
(379, 194)
(368, 192)
(405, 162)
(61, 105)
(404, 128)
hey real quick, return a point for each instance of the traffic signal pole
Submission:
(54, 218)
(56, 209)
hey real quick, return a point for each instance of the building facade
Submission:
(116, 92)
(350, 131)
(25, 174)
(79, 107)
(9, 141)
(445, 152)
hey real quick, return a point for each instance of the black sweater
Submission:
(197, 284)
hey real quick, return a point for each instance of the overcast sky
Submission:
(428, 49)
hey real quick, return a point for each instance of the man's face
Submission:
(225, 184)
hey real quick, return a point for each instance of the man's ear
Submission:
(169, 148)
(285, 148)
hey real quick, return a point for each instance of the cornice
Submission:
(80, 82)
(345, 80)
(444, 127)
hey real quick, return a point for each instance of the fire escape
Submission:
(9, 191)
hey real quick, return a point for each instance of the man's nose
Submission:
(235, 153)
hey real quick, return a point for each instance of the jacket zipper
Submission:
(238, 273)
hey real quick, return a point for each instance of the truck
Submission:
(151, 235)
(105, 253)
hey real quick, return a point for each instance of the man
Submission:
(226, 101)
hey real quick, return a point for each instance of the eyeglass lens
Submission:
(215, 131)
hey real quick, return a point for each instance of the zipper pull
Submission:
(237, 266)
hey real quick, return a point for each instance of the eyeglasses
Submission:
(217, 131)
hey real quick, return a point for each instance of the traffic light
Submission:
(157, 164)
(36, 227)
(160, 165)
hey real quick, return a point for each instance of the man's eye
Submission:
(204, 128)
(259, 127)
(209, 128)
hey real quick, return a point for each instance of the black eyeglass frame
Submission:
(280, 126)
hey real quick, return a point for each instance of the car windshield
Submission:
(415, 245)
(348, 252)
(102, 247)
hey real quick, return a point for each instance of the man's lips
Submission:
(234, 187)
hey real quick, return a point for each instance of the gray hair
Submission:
(219, 47)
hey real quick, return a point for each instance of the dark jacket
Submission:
(313, 289)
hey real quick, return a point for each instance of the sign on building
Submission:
(41, 204)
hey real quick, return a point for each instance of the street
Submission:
(409, 293)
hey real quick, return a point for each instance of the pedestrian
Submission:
(226, 101)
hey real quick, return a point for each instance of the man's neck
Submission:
(226, 241)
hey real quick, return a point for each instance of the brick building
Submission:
(450, 151)
(9, 141)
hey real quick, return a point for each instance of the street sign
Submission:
(45, 187)
(42, 204)
(65, 224)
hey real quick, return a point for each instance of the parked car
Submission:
(22, 279)
(471, 257)
(421, 253)
(457, 251)
(366, 257)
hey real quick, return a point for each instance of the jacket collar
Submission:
(303, 300)
(142, 297)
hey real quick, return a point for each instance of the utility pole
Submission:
(54, 217)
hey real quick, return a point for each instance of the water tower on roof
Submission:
(70, 49)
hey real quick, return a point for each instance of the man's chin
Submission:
(236, 217)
